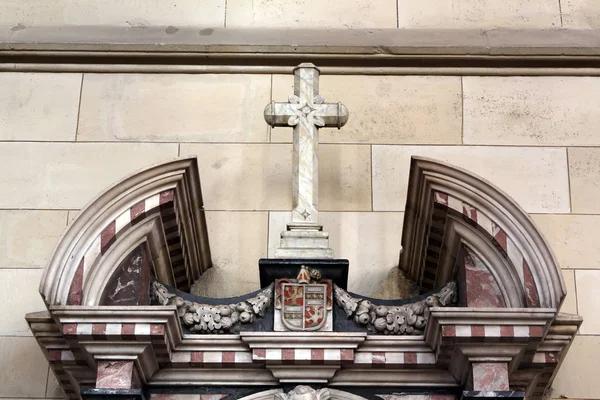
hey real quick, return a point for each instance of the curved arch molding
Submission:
(159, 207)
(449, 210)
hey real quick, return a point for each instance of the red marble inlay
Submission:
(507, 331)
(115, 375)
(449, 330)
(482, 288)
(54, 355)
(490, 376)
(288, 355)
(157, 329)
(536, 331)
(441, 397)
(76, 289)
(317, 354)
(470, 212)
(441, 198)
(410, 358)
(107, 237)
(98, 329)
(551, 358)
(137, 211)
(347, 354)
(531, 293)
(69, 329)
(477, 331)
(499, 235)
(228, 357)
(128, 329)
(197, 357)
(166, 197)
(260, 353)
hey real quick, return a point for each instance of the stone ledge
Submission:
(213, 42)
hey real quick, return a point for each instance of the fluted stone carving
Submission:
(406, 319)
(210, 318)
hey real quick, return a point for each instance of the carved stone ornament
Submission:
(405, 319)
(211, 318)
(302, 392)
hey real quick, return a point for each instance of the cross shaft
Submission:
(306, 112)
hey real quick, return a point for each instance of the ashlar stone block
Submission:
(259, 176)
(311, 14)
(573, 238)
(556, 111)
(584, 171)
(38, 106)
(68, 175)
(535, 177)
(27, 238)
(588, 301)
(24, 368)
(570, 303)
(577, 377)
(580, 14)
(472, 14)
(134, 14)
(386, 109)
(369, 240)
(174, 108)
(18, 295)
(237, 240)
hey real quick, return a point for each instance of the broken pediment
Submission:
(120, 320)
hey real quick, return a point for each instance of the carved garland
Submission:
(209, 318)
(406, 319)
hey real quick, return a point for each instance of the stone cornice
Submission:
(337, 51)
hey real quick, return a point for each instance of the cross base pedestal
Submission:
(304, 241)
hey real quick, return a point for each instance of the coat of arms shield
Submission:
(302, 304)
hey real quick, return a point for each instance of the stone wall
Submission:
(64, 137)
(305, 13)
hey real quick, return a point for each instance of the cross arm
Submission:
(322, 115)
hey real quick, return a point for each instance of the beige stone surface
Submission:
(573, 238)
(24, 368)
(535, 177)
(588, 300)
(450, 14)
(18, 295)
(27, 238)
(53, 389)
(584, 171)
(174, 108)
(259, 176)
(580, 14)
(386, 109)
(369, 240)
(311, 14)
(563, 111)
(578, 375)
(38, 106)
(68, 175)
(237, 241)
(570, 302)
(136, 14)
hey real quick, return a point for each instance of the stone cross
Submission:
(306, 112)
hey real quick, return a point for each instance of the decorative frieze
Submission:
(208, 318)
(406, 319)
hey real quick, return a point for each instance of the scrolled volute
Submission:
(405, 319)
(211, 318)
